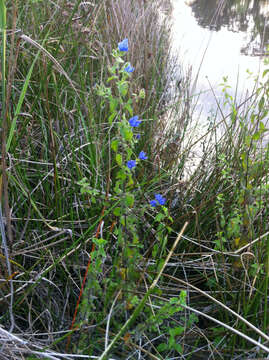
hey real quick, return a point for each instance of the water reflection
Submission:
(218, 38)
(248, 16)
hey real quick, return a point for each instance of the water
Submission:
(220, 38)
(216, 39)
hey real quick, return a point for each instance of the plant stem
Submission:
(144, 299)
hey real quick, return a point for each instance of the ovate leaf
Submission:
(119, 159)
(113, 104)
(117, 211)
(129, 200)
(114, 145)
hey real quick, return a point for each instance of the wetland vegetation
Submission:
(113, 245)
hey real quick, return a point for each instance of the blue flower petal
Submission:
(134, 122)
(123, 45)
(142, 155)
(161, 200)
(129, 69)
(153, 203)
(131, 164)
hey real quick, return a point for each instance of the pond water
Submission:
(220, 38)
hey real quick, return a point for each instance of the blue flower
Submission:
(131, 164)
(123, 45)
(142, 155)
(137, 136)
(134, 122)
(129, 69)
(153, 203)
(161, 200)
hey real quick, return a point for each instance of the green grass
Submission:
(55, 132)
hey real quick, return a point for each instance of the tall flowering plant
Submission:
(120, 214)
(124, 134)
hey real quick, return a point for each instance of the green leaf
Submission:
(113, 104)
(112, 70)
(129, 108)
(94, 255)
(129, 200)
(131, 181)
(168, 228)
(123, 88)
(93, 199)
(124, 129)
(99, 241)
(159, 217)
(123, 221)
(128, 134)
(174, 300)
(84, 190)
(114, 145)
(129, 153)
(117, 211)
(112, 117)
(134, 300)
(142, 94)
(182, 297)
(262, 127)
(176, 331)
(248, 140)
(261, 103)
(172, 342)
(162, 347)
(256, 136)
(165, 210)
(83, 182)
(121, 175)
(119, 159)
(119, 59)
(160, 265)
(155, 250)
(178, 348)
(117, 189)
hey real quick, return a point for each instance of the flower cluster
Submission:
(134, 122)
(158, 199)
(123, 46)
